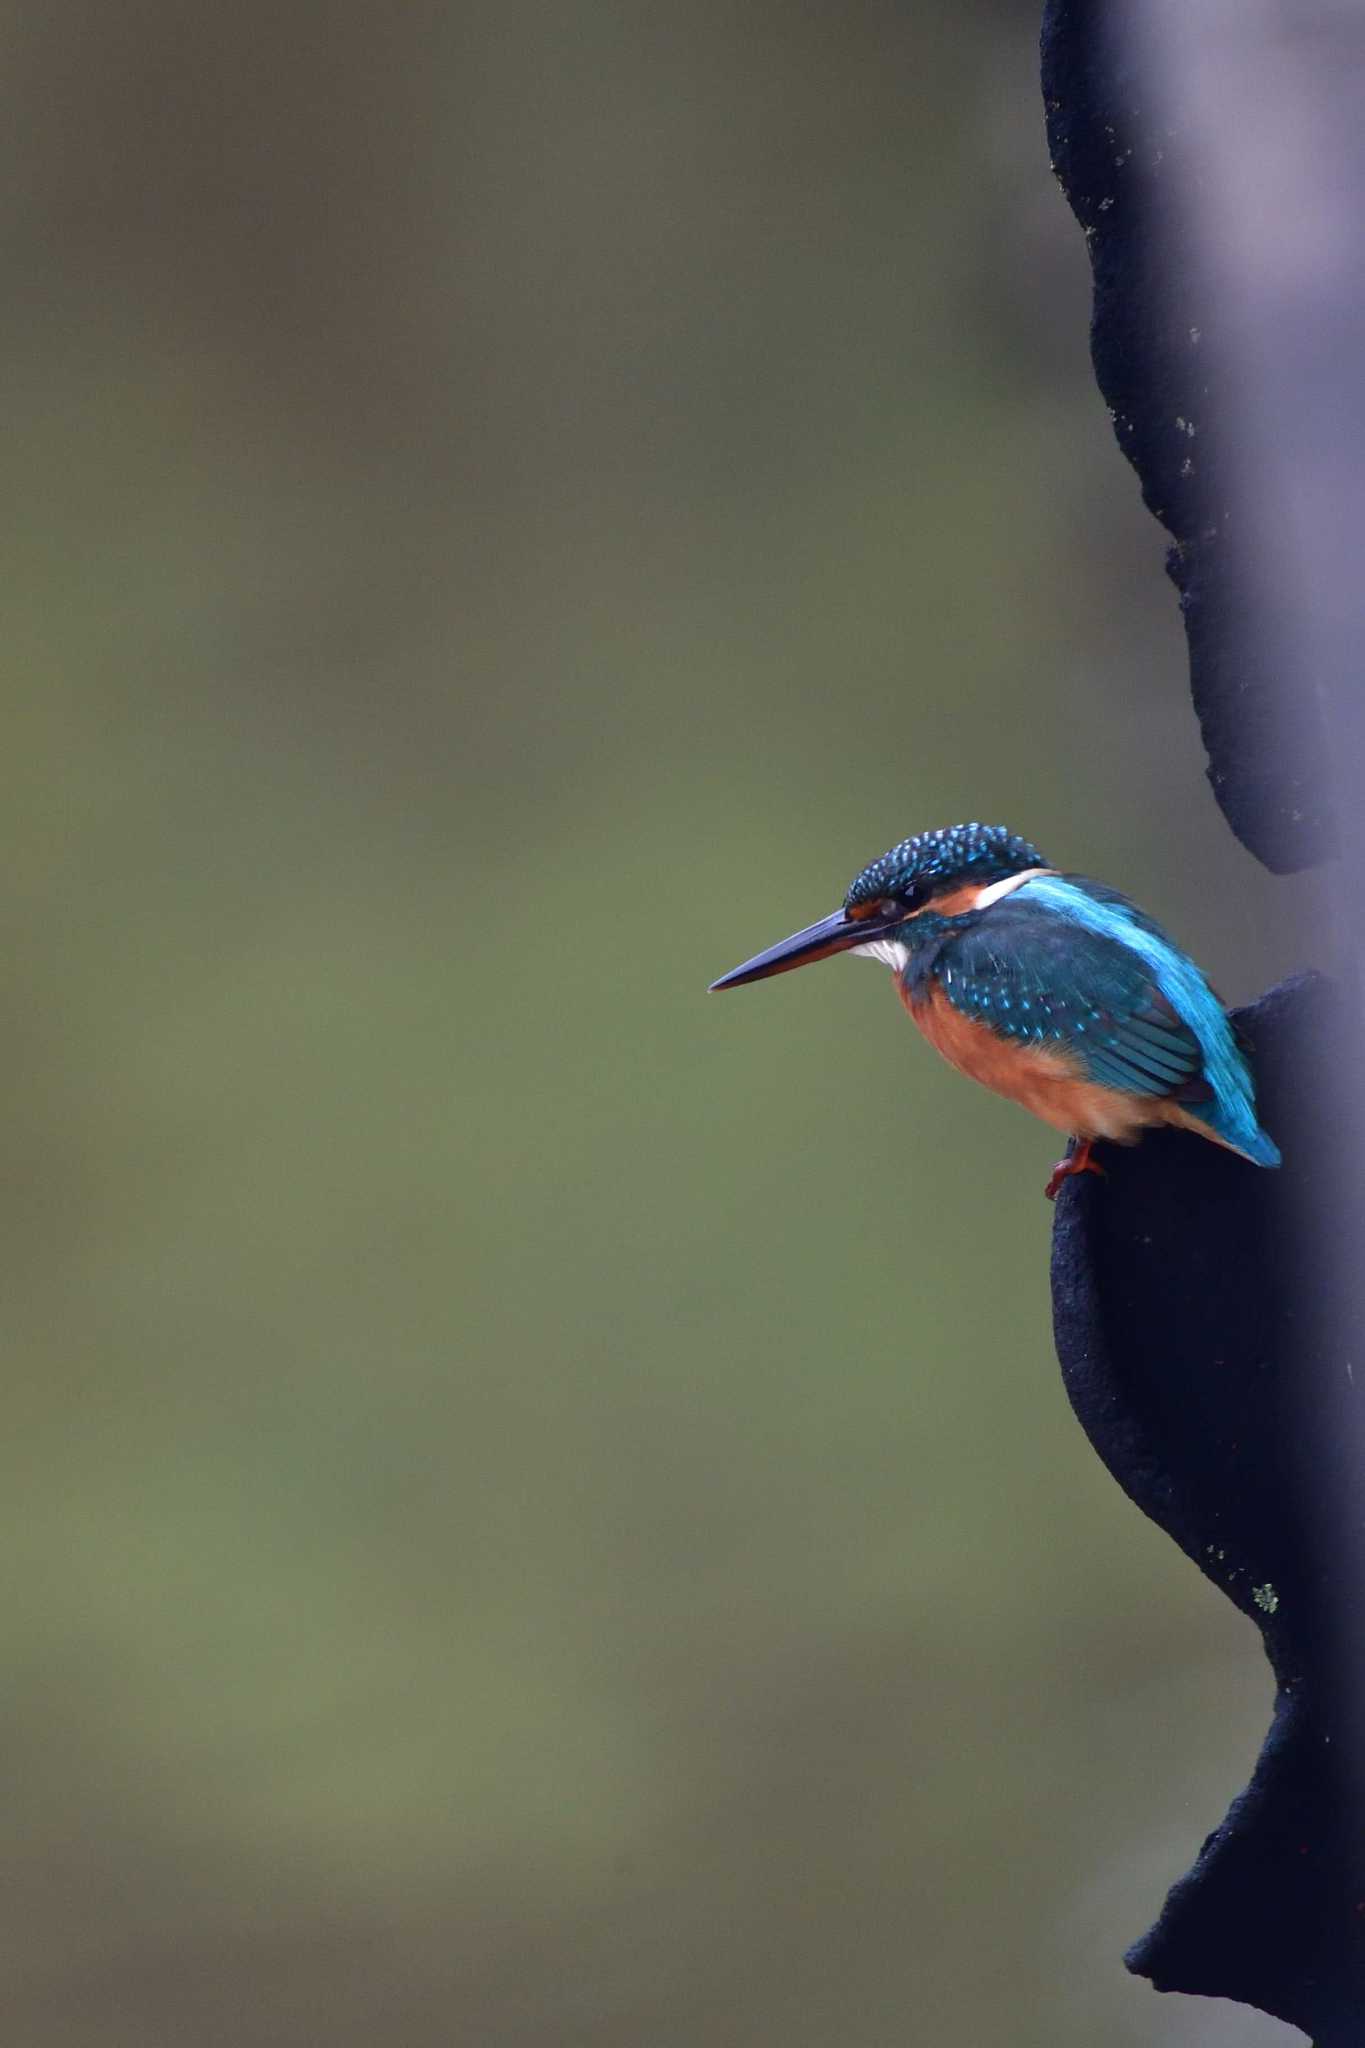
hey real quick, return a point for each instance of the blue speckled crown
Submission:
(978, 851)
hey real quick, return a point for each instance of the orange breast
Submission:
(1043, 1079)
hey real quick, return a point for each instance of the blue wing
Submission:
(1063, 960)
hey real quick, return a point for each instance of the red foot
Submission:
(1078, 1160)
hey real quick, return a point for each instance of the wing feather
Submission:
(1034, 978)
(1065, 962)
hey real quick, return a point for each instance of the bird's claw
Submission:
(1077, 1161)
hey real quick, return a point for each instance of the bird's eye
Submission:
(912, 898)
(886, 908)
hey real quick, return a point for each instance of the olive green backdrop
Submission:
(539, 1505)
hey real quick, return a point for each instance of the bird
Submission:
(1053, 990)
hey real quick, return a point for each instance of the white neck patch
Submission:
(1005, 888)
(894, 953)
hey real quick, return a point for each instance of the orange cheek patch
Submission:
(954, 901)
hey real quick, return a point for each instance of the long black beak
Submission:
(833, 934)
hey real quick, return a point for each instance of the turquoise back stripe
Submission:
(1233, 1110)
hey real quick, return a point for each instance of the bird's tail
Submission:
(1261, 1149)
(1250, 1143)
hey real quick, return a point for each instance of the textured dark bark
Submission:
(1178, 1288)
(1160, 347)
(1208, 1315)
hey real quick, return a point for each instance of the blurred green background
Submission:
(541, 1508)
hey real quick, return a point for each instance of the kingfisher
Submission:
(1049, 988)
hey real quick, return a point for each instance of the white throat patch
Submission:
(891, 952)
